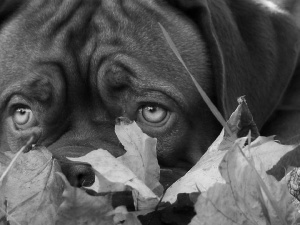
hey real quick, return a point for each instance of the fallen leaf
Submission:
(112, 175)
(206, 172)
(286, 163)
(217, 206)
(79, 208)
(138, 168)
(140, 156)
(31, 190)
(282, 198)
(249, 196)
(268, 151)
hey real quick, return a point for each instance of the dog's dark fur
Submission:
(80, 64)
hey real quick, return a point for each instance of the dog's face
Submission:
(69, 68)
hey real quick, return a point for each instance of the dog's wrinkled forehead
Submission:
(86, 37)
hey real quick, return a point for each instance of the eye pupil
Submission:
(22, 111)
(153, 114)
(151, 109)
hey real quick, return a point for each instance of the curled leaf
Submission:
(206, 172)
(112, 175)
(250, 196)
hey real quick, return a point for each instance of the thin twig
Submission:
(29, 142)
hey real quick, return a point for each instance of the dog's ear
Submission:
(253, 47)
(9, 8)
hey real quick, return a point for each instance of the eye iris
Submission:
(22, 116)
(153, 114)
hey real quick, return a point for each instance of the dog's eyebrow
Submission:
(168, 90)
(33, 89)
(164, 87)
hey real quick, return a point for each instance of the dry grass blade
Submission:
(207, 100)
(15, 158)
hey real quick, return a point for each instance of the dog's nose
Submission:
(78, 174)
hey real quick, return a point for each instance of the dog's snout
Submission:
(78, 174)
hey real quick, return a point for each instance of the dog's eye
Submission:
(152, 114)
(23, 118)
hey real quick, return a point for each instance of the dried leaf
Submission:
(79, 208)
(206, 173)
(249, 196)
(31, 189)
(141, 156)
(282, 198)
(268, 151)
(217, 206)
(112, 175)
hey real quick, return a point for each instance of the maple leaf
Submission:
(140, 156)
(268, 151)
(249, 196)
(79, 208)
(31, 190)
(206, 172)
(112, 175)
(137, 169)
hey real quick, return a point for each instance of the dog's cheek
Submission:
(172, 144)
(13, 139)
(184, 143)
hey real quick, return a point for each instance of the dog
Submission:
(69, 68)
